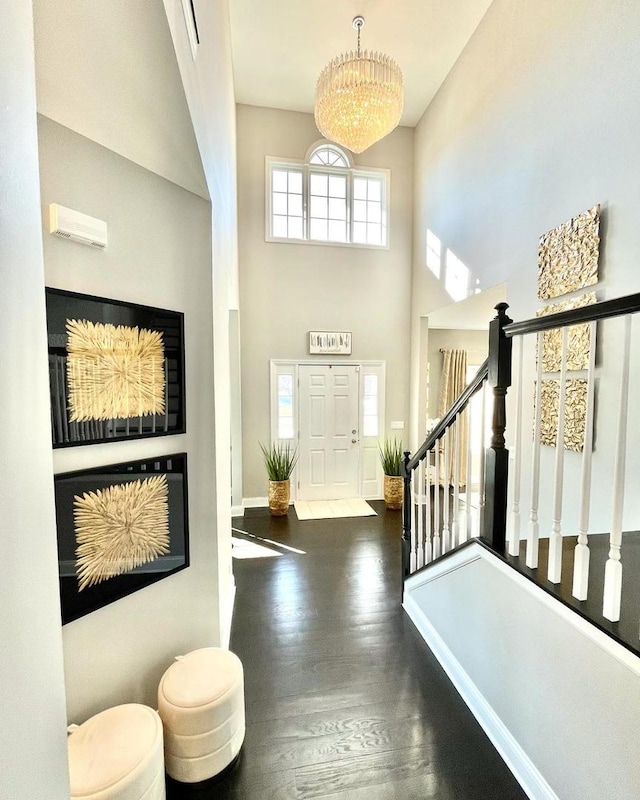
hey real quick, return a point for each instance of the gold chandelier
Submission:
(358, 97)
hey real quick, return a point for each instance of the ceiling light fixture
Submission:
(358, 97)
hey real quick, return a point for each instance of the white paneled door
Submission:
(328, 467)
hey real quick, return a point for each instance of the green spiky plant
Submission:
(279, 460)
(391, 456)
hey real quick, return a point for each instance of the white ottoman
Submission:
(201, 703)
(117, 755)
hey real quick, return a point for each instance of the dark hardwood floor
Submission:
(344, 700)
(626, 631)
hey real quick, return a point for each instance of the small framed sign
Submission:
(334, 342)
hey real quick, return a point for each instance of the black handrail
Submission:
(450, 417)
(607, 308)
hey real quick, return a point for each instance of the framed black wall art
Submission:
(116, 370)
(120, 528)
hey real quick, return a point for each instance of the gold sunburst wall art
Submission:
(568, 255)
(116, 369)
(120, 528)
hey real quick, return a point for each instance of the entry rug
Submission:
(333, 509)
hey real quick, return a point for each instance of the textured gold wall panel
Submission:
(575, 413)
(579, 337)
(568, 255)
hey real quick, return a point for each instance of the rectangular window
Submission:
(335, 205)
(370, 402)
(369, 223)
(286, 204)
(286, 428)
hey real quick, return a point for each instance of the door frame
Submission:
(369, 489)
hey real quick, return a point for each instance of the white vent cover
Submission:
(70, 224)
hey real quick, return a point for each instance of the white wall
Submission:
(570, 704)
(33, 761)
(287, 289)
(159, 255)
(537, 121)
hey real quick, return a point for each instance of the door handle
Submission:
(354, 441)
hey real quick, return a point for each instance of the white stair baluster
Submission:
(413, 545)
(420, 509)
(446, 544)
(428, 544)
(581, 553)
(437, 542)
(534, 526)
(456, 482)
(613, 569)
(554, 569)
(514, 538)
(465, 530)
(483, 443)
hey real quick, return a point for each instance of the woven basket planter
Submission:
(393, 492)
(279, 497)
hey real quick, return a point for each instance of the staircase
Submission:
(528, 611)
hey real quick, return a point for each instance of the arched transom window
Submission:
(326, 199)
(330, 156)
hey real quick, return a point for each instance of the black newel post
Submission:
(406, 517)
(494, 522)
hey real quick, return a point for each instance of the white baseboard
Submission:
(255, 502)
(524, 770)
(237, 511)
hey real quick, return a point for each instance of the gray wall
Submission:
(158, 255)
(537, 121)
(287, 289)
(33, 761)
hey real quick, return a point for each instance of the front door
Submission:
(328, 428)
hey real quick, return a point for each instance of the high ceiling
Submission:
(280, 46)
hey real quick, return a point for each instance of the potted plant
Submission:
(279, 459)
(391, 459)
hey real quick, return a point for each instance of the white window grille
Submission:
(326, 200)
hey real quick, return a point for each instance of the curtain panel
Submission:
(452, 384)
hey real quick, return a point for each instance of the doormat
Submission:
(333, 509)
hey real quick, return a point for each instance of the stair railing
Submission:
(430, 504)
(614, 366)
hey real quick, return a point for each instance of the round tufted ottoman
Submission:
(117, 755)
(201, 703)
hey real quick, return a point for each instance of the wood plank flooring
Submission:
(626, 631)
(344, 700)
